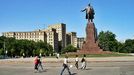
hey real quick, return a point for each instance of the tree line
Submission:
(12, 47)
(108, 42)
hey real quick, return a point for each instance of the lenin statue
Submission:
(89, 13)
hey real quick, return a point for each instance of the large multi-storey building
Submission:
(55, 35)
(33, 35)
(61, 30)
(71, 38)
(80, 42)
(49, 35)
(52, 38)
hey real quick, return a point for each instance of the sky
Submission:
(116, 16)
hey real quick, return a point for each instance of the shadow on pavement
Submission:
(74, 74)
(43, 71)
(88, 69)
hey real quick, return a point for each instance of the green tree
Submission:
(49, 49)
(30, 48)
(46, 48)
(34, 52)
(107, 41)
(1, 51)
(12, 52)
(128, 46)
(69, 48)
(21, 52)
(2, 38)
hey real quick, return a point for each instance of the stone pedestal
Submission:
(90, 45)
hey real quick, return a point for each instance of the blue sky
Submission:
(116, 16)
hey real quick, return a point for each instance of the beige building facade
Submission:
(71, 38)
(80, 42)
(61, 30)
(52, 38)
(33, 35)
(55, 35)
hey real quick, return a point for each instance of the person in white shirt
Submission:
(65, 66)
(76, 62)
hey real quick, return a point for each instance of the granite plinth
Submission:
(90, 46)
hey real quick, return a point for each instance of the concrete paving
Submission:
(94, 67)
(54, 60)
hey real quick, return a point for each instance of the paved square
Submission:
(93, 68)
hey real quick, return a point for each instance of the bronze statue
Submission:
(89, 13)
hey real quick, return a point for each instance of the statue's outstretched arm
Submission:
(83, 10)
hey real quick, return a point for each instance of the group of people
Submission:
(66, 66)
(38, 63)
(83, 62)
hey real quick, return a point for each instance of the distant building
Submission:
(61, 30)
(55, 35)
(33, 35)
(9, 34)
(80, 42)
(52, 38)
(71, 38)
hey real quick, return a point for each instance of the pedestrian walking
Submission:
(40, 63)
(76, 62)
(83, 61)
(36, 61)
(65, 66)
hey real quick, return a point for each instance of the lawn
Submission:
(100, 55)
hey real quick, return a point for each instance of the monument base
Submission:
(90, 46)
